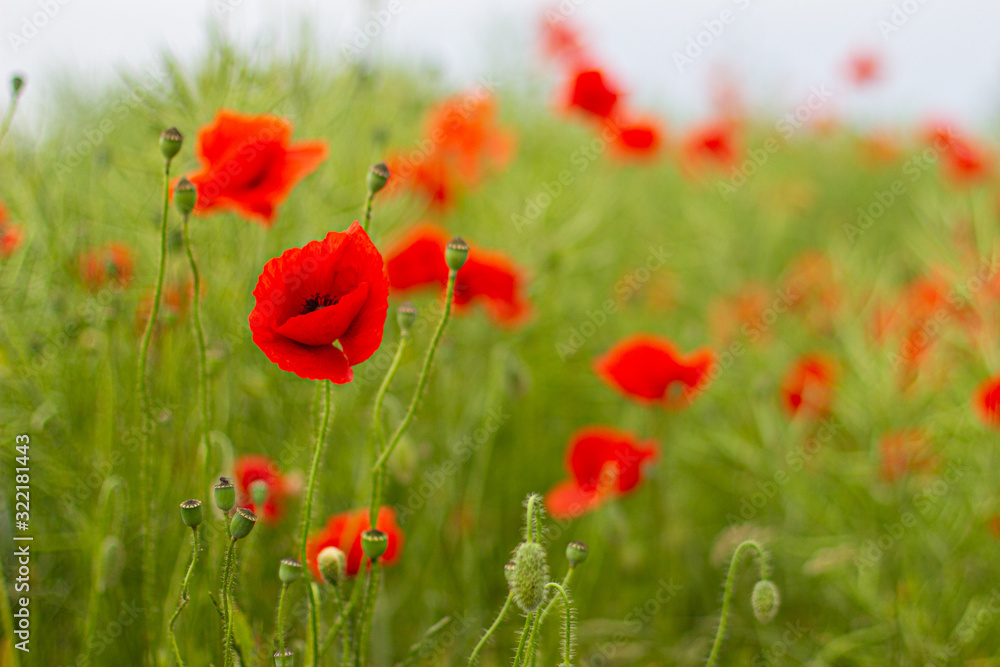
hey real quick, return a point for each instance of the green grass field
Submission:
(870, 572)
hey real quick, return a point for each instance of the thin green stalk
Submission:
(202, 356)
(9, 116)
(281, 618)
(567, 623)
(307, 515)
(228, 602)
(491, 630)
(359, 586)
(728, 594)
(335, 628)
(368, 212)
(146, 583)
(564, 585)
(524, 636)
(368, 611)
(378, 475)
(184, 597)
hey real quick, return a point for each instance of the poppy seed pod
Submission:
(225, 494)
(576, 553)
(378, 176)
(406, 315)
(284, 658)
(258, 492)
(191, 513)
(16, 84)
(171, 140)
(374, 543)
(289, 570)
(243, 523)
(531, 574)
(455, 253)
(765, 601)
(332, 562)
(185, 196)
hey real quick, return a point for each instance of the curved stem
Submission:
(424, 373)
(378, 475)
(227, 593)
(524, 636)
(564, 584)
(567, 620)
(491, 630)
(202, 356)
(728, 595)
(281, 619)
(368, 612)
(307, 514)
(148, 421)
(368, 212)
(184, 598)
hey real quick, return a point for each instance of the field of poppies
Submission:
(719, 394)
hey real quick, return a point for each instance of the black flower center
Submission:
(317, 301)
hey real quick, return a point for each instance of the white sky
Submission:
(943, 61)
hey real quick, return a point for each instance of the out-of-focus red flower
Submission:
(250, 165)
(880, 148)
(638, 139)
(649, 369)
(864, 68)
(964, 160)
(904, 453)
(714, 144)
(110, 263)
(986, 402)
(329, 291)
(808, 386)
(344, 530)
(177, 299)
(430, 175)
(257, 467)
(561, 41)
(591, 92)
(813, 289)
(603, 463)
(11, 235)
(417, 260)
(741, 314)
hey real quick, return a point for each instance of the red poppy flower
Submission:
(561, 41)
(651, 370)
(967, 162)
(904, 453)
(638, 139)
(112, 262)
(344, 530)
(714, 144)
(249, 164)
(329, 291)
(864, 68)
(11, 235)
(430, 175)
(986, 402)
(808, 386)
(177, 299)
(603, 463)
(257, 467)
(590, 92)
(417, 260)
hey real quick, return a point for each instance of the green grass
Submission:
(67, 377)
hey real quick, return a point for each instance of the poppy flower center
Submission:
(317, 301)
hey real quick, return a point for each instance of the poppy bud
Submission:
(765, 601)
(258, 492)
(406, 315)
(170, 142)
(289, 570)
(16, 84)
(225, 494)
(531, 574)
(374, 543)
(508, 573)
(331, 565)
(243, 523)
(185, 196)
(455, 253)
(378, 176)
(191, 513)
(284, 658)
(576, 553)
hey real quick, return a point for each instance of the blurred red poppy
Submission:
(259, 468)
(864, 68)
(713, 145)
(11, 235)
(417, 260)
(649, 369)
(904, 453)
(112, 262)
(986, 402)
(344, 530)
(561, 41)
(250, 165)
(603, 463)
(808, 386)
(640, 138)
(329, 291)
(590, 92)
(177, 299)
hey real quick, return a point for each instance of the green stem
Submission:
(378, 475)
(524, 636)
(184, 597)
(281, 619)
(335, 628)
(368, 611)
(368, 212)
(10, 117)
(728, 595)
(530, 525)
(148, 421)
(359, 586)
(564, 584)
(567, 620)
(202, 356)
(227, 592)
(491, 630)
(307, 515)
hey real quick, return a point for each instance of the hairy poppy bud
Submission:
(531, 574)
(508, 573)
(170, 142)
(378, 176)
(289, 570)
(284, 658)
(374, 543)
(258, 492)
(455, 253)
(16, 84)
(191, 513)
(765, 601)
(332, 563)
(406, 315)
(185, 196)
(225, 494)
(243, 523)
(576, 553)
